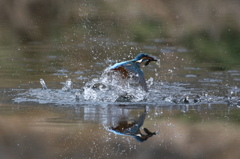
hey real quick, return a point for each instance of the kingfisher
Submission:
(132, 67)
(132, 128)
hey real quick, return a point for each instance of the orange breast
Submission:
(123, 71)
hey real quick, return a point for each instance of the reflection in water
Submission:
(197, 120)
(67, 132)
(132, 128)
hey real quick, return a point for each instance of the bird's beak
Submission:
(149, 59)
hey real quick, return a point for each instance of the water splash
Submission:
(42, 82)
(77, 96)
(109, 88)
(68, 85)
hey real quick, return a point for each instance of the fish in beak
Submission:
(149, 59)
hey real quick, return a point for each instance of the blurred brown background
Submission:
(210, 28)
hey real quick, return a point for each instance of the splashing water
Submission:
(108, 89)
(67, 85)
(42, 82)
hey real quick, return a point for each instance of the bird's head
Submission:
(142, 57)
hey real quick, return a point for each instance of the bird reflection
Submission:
(132, 128)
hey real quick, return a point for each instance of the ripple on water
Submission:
(109, 90)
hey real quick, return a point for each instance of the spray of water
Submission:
(68, 85)
(109, 87)
(42, 82)
(112, 88)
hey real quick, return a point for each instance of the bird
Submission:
(132, 128)
(132, 67)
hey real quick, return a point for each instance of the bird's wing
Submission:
(116, 66)
(138, 74)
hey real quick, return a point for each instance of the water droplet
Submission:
(42, 82)
(150, 81)
(68, 85)
(170, 71)
(77, 94)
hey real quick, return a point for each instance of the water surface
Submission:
(193, 110)
(193, 105)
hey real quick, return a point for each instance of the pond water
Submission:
(193, 110)
(56, 101)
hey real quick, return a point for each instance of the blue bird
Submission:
(133, 67)
(132, 128)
